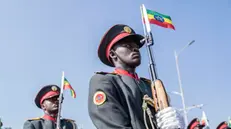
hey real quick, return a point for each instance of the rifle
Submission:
(60, 103)
(159, 95)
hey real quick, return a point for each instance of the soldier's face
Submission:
(127, 51)
(51, 105)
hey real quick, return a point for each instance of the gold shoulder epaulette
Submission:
(101, 72)
(145, 79)
(69, 120)
(36, 118)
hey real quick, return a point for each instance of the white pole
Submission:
(179, 79)
(60, 101)
(142, 15)
(144, 12)
(181, 90)
(149, 42)
(62, 83)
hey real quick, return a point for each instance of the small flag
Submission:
(204, 120)
(160, 19)
(67, 86)
(229, 122)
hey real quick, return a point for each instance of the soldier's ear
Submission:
(112, 54)
(43, 106)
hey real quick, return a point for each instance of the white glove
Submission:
(169, 118)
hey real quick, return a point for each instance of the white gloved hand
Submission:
(169, 118)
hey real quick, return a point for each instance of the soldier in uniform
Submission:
(116, 98)
(47, 99)
(195, 124)
(223, 125)
(1, 124)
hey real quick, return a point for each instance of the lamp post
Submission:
(192, 107)
(179, 79)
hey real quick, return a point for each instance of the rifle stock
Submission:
(160, 96)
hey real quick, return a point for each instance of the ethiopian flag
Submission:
(67, 86)
(160, 19)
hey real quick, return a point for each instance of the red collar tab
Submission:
(47, 117)
(124, 72)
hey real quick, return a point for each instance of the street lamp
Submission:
(179, 79)
(192, 107)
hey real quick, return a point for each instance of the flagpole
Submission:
(60, 101)
(145, 34)
(149, 40)
(229, 120)
(143, 10)
(152, 70)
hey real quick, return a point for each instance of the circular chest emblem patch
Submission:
(99, 98)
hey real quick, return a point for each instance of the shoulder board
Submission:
(36, 118)
(69, 120)
(104, 73)
(145, 79)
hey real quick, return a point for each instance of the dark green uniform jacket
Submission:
(40, 123)
(115, 101)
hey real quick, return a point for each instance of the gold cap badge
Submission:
(54, 88)
(127, 29)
